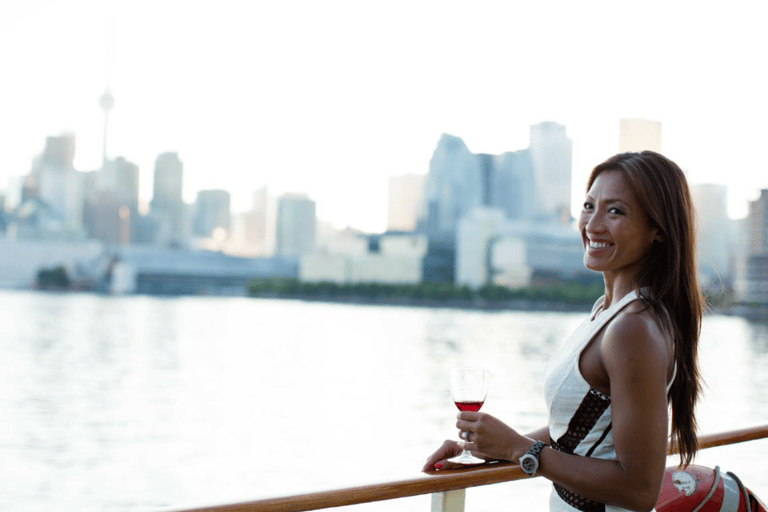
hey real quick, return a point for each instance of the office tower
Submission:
(296, 225)
(714, 237)
(405, 195)
(106, 102)
(757, 253)
(551, 153)
(58, 184)
(639, 135)
(453, 187)
(212, 213)
(259, 224)
(758, 224)
(513, 185)
(111, 209)
(167, 203)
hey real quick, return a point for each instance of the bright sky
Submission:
(331, 98)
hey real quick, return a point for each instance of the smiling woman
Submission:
(614, 227)
(609, 387)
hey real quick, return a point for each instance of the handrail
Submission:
(451, 480)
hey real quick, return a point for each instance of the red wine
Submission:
(469, 406)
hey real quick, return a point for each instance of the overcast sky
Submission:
(331, 98)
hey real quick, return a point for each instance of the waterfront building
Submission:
(22, 259)
(716, 243)
(530, 184)
(260, 223)
(552, 155)
(755, 289)
(167, 202)
(392, 258)
(212, 214)
(406, 193)
(512, 185)
(168, 271)
(453, 187)
(491, 249)
(639, 135)
(111, 203)
(296, 225)
(55, 182)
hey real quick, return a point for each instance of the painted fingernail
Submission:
(438, 466)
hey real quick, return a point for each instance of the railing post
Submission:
(449, 501)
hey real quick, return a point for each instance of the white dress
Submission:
(579, 415)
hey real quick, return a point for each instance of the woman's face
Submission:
(615, 229)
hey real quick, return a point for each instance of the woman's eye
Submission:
(587, 206)
(615, 211)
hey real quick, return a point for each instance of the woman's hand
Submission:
(439, 459)
(488, 438)
(491, 437)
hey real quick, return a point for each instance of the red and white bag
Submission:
(701, 489)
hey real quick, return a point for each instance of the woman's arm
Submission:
(635, 357)
(450, 448)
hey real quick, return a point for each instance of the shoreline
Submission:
(757, 312)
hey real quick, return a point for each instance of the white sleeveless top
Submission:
(579, 415)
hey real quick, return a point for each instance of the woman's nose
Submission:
(595, 224)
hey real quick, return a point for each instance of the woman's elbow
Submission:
(644, 500)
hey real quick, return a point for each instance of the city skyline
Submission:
(337, 98)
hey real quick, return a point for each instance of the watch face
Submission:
(529, 464)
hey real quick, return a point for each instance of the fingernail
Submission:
(438, 466)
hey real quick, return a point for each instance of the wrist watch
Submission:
(529, 462)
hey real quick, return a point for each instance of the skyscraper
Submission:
(454, 186)
(714, 237)
(212, 213)
(111, 208)
(106, 102)
(405, 195)
(296, 225)
(58, 184)
(756, 289)
(552, 155)
(167, 202)
(513, 185)
(639, 135)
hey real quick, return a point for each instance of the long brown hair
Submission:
(667, 282)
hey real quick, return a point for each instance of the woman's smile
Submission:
(614, 226)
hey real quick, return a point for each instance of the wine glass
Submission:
(469, 385)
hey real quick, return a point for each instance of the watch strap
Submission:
(532, 456)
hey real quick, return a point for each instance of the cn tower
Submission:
(106, 102)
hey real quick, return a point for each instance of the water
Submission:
(142, 403)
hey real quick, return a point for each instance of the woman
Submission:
(611, 385)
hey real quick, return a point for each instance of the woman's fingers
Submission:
(439, 459)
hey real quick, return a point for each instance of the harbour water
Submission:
(141, 403)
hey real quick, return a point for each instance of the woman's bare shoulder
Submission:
(636, 331)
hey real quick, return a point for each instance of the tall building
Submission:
(756, 286)
(405, 196)
(167, 203)
(260, 224)
(296, 225)
(111, 208)
(552, 156)
(55, 181)
(513, 184)
(639, 135)
(714, 238)
(531, 184)
(453, 187)
(106, 102)
(212, 213)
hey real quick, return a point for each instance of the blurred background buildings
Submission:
(471, 219)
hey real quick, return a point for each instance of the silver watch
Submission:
(529, 462)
